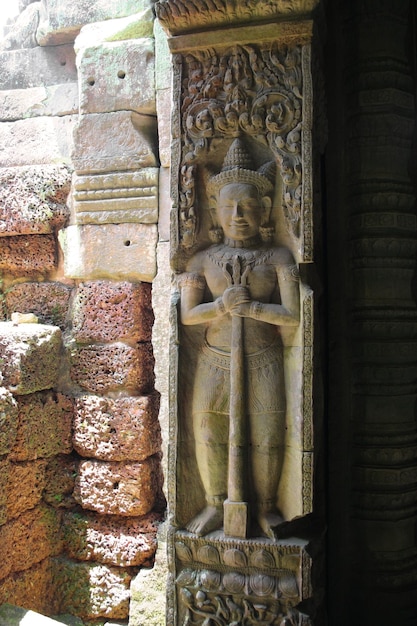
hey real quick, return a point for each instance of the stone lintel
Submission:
(300, 32)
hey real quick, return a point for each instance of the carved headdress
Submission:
(238, 168)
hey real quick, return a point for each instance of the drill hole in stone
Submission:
(115, 486)
(127, 243)
(121, 74)
(91, 82)
(63, 62)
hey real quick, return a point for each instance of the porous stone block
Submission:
(100, 369)
(60, 474)
(45, 426)
(8, 420)
(119, 429)
(116, 198)
(113, 540)
(32, 199)
(105, 311)
(17, 104)
(24, 488)
(27, 255)
(91, 591)
(4, 477)
(32, 588)
(118, 76)
(117, 141)
(48, 301)
(38, 67)
(50, 140)
(30, 356)
(113, 251)
(29, 539)
(61, 21)
(117, 488)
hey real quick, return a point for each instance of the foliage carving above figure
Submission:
(241, 289)
(250, 91)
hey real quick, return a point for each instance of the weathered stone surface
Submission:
(114, 251)
(117, 76)
(60, 21)
(148, 590)
(49, 138)
(45, 421)
(29, 539)
(92, 591)
(38, 67)
(60, 474)
(22, 32)
(121, 429)
(4, 477)
(24, 487)
(134, 26)
(32, 588)
(8, 420)
(30, 356)
(117, 488)
(27, 255)
(117, 198)
(49, 301)
(32, 199)
(163, 107)
(15, 616)
(105, 311)
(100, 369)
(57, 100)
(109, 142)
(111, 540)
(165, 204)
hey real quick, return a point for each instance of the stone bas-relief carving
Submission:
(242, 290)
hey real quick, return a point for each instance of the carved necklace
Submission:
(222, 255)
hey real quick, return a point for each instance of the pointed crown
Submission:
(238, 168)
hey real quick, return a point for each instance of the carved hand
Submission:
(233, 297)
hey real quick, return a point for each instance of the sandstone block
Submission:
(48, 301)
(24, 487)
(163, 107)
(120, 429)
(113, 251)
(61, 21)
(165, 205)
(38, 67)
(29, 539)
(136, 26)
(27, 255)
(32, 199)
(22, 32)
(30, 356)
(118, 141)
(49, 138)
(118, 76)
(105, 311)
(100, 369)
(117, 488)
(60, 474)
(32, 588)
(8, 421)
(45, 426)
(116, 198)
(111, 540)
(17, 104)
(91, 590)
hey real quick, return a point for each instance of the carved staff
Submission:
(236, 507)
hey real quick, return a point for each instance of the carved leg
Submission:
(211, 446)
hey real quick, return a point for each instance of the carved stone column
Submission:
(373, 321)
(243, 429)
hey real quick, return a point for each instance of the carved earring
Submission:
(216, 234)
(267, 232)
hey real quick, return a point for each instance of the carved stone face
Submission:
(240, 210)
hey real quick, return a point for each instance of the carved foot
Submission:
(269, 523)
(210, 518)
